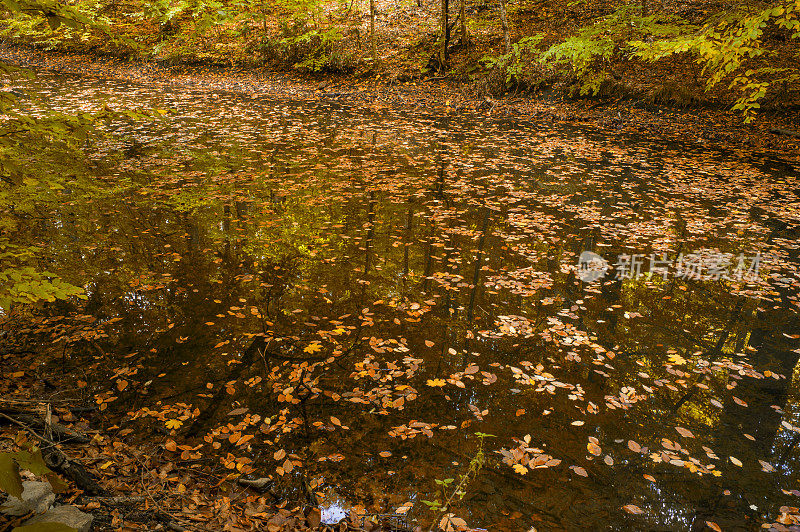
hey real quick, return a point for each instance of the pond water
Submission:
(360, 292)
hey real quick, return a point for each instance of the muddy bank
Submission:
(776, 134)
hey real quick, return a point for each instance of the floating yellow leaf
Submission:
(313, 347)
(677, 359)
(173, 423)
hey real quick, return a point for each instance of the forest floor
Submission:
(774, 133)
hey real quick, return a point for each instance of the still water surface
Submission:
(368, 289)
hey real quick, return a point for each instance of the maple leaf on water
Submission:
(676, 359)
(173, 423)
(313, 347)
(435, 382)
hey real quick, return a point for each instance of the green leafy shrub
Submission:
(47, 23)
(37, 158)
(586, 57)
(514, 68)
(318, 50)
(20, 284)
(731, 47)
(589, 53)
(194, 29)
(447, 492)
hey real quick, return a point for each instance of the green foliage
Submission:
(514, 64)
(197, 19)
(32, 460)
(26, 285)
(309, 34)
(300, 13)
(307, 43)
(731, 46)
(587, 55)
(205, 29)
(53, 12)
(39, 158)
(444, 495)
(589, 52)
(11, 482)
(49, 23)
(584, 53)
(322, 49)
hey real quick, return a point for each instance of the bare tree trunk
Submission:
(504, 19)
(478, 263)
(445, 35)
(372, 31)
(461, 10)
